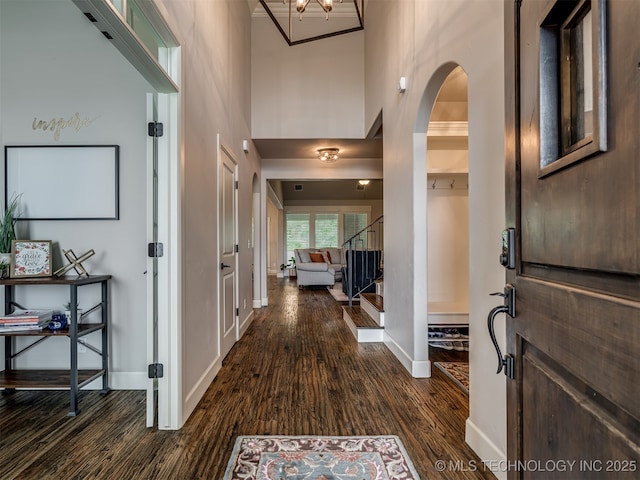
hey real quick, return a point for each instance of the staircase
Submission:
(366, 321)
(364, 259)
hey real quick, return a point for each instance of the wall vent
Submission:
(360, 187)
(297, 187)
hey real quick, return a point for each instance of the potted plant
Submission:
(4, 269)
(292, 267)
(284, 266)
(7, 232)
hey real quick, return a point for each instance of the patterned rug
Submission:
(456, 371)
(319, 458)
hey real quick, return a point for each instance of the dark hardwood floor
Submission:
(296, 371)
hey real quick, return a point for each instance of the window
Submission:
(326, 227)
(321, 229)
(297, 228)
(572, 84)
(352, 224)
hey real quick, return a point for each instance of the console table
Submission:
(73, 378)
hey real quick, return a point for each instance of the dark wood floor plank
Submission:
(297, 371)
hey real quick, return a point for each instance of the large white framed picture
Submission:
(56, 182)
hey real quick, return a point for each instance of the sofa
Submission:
(318, 266)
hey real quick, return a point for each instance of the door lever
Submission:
(509, 307)
(224, 265)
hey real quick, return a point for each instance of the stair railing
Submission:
(369, 239)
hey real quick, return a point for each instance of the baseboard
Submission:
(265, 302)
(491, 456)
(257, 304)
(126, 381)
(370, 335)
(197, 392)
(245, 324)
(417, 368)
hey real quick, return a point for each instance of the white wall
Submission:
(54, 63)
(424, 40)
(215, 93)
(312, 90)
(448, 249)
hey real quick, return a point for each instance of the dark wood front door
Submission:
(573, 177)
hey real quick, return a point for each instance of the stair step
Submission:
(362, 326)
(375, 300)
(360, 318)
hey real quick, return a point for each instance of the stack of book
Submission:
(25, 320)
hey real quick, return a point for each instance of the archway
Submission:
(441, 165)
(448, 227)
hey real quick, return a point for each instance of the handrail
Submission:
(379, 219)
(373, 241)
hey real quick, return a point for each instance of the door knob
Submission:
(224, 265)
(509, 307)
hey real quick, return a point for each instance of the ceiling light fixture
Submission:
(328, 155)
(301, 5)
(350, 18)
(364, 182)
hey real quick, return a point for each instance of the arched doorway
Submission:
(441, 164)
(448, 228)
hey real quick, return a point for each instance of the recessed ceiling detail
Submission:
(301, 21)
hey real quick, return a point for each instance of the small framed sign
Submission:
(30, 258)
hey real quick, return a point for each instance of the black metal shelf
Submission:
(73, 378)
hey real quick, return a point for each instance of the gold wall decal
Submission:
(56, 125)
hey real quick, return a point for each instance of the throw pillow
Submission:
(304, 256)
(327, 257)
(316, 257)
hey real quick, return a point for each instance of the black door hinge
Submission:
(156, 370)
(155, 129)
(236, 184)
(156, 249)
(237, 248)
(237, 312)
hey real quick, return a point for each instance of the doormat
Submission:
(310, 457)
(456, 371)
(338, 295)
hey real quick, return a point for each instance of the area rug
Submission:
(456, 371)
(338, 295)
(319, 458)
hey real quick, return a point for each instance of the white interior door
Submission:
(227, 228)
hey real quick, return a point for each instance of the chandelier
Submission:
(301, 5)
(346, 17)
(328, 155)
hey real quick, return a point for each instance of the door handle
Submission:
(509, 307)
(224, 265)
